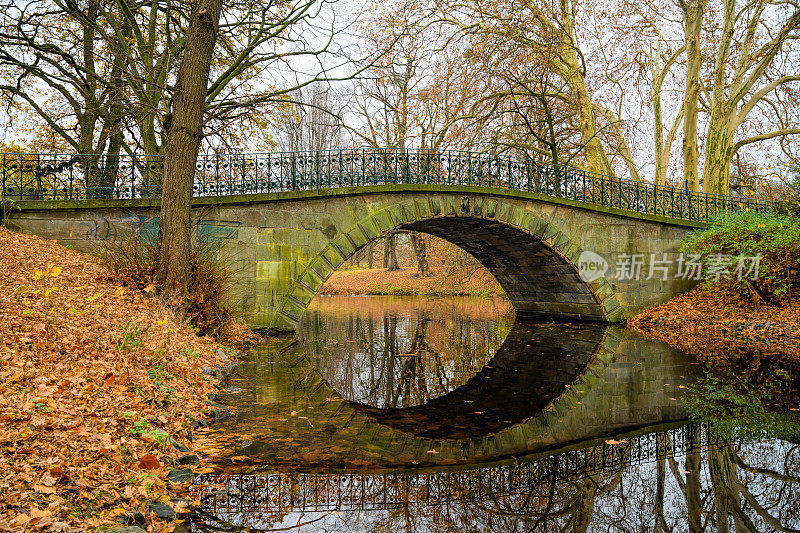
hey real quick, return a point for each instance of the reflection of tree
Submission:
(727, 498)
(400, 360)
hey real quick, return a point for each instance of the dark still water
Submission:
(410, 414)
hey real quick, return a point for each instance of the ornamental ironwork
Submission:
(31, 177)
(227, 494)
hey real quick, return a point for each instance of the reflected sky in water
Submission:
(389, 414)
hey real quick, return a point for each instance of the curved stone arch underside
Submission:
(532, 259)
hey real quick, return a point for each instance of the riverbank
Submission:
(101, 389)
(378, 281)
(721, 329)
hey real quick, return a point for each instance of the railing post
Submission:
(37, 170)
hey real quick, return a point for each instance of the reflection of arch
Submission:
(592, 348)
(531, 257)
(536, 364)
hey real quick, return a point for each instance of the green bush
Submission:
(775, 238)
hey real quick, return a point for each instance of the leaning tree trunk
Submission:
(183, 143)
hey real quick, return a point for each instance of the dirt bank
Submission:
(100, 387)
(720, 329)
(401, 282)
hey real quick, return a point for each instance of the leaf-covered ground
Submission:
(720, 329)
(96, 381)
(377, 281)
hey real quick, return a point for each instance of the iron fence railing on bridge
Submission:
(224, 494)
(87, 177)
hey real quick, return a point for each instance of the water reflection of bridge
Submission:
(602, 393)
(281, 493)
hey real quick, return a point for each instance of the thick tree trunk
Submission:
(584, 505)
(113, 123)
(719, 155)
(390, 253)
(693, 22)
(183, 143)
(693, 501)
(596, 157)
(419, 244)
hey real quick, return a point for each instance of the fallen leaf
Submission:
(149, 462)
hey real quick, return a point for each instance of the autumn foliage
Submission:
(732, 322)
(99, 385)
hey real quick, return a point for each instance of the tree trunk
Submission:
(113, 122)
(371, 255)
(693, 22)
(183, 143)
(622, 148)
(584, 505)
(418, 242)
(390, 253)
(693, 501)
(596, 157)
(719, 155)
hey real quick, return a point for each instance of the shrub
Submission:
(133, 262)
(776, 238)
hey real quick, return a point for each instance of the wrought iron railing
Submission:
(226, 494)
(87, 177)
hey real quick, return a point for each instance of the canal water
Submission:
(412, 414)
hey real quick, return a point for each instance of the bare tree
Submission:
(311, 121)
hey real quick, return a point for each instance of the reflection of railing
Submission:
(223, 495)
(80, 177)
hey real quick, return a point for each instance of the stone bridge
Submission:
(283, 246)
(289, 220)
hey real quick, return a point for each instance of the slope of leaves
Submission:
(721, 329)
(96, 380)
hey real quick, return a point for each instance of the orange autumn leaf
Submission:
(149, 462)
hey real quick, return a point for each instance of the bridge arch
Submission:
(530, 256)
